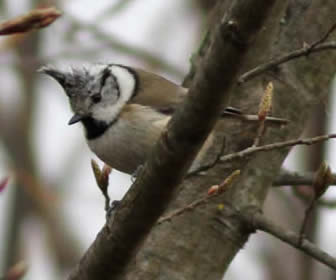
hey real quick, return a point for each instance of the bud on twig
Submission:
(323, 179)
(213, 190)
(3, 183)
(265, 105)
(102, 179)
(35, 19)
(17, 271)
(217, 189)
(96, 171)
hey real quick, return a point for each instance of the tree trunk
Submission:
(198, 244)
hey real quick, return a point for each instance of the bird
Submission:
(124, 109)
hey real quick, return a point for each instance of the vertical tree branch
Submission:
(172, 156)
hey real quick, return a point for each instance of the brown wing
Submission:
(157, 92)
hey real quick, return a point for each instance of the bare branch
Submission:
(16, 272)
(211, 194)
(306, 50)
(307, 215)
(289, 178)
(178, 145)
(3, 183)
(208, 166)
(280, 145)
(331, 204)
(114, 9)
(125, 48)
(260, 222)
(35, 19)
(324, 37)
(316, 46)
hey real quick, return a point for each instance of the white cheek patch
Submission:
(126, 81)
(126, 84)
(109, 90)
(106, 113)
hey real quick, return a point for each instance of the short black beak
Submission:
(75, 119)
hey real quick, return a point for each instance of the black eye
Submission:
(96, 98)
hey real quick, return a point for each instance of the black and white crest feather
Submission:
(97, 93)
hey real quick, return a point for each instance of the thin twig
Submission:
(291, 178)
(113, 10)
(260, 133)
(316, 46)
(35, 19)
(260, 222)
(122, 47)
(324, 37)
(331, 204)
(219, 190)
(285, 58)
(279, 145)
(206, 167)
(16, 272)
(307, 215)
(3, 183)
(188, 207)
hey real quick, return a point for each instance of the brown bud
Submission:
(323, 179)
(265, 105)
(228, 180)
(104, 177)
(217, 189)
(37, 18)
(213, 190)
(3, 183)
(17, 271)
(96, 171)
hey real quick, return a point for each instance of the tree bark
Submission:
(200, 244)
(196, 245)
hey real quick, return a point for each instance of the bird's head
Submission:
(97, 91)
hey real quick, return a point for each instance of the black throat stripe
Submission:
(94, 128)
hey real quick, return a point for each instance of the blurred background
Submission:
(52, 209)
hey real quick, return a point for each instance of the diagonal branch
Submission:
(317, 46)
(274, 146)
(35, 19)
(120, 46)
(115, 245)
(260, 222)
(288, 178)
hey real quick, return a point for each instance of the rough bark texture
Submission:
(199, 245)
(192, 122)
(178, 145)
(196, 245)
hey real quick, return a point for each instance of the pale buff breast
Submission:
(127, 143)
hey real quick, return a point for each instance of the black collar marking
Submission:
(94, 128)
